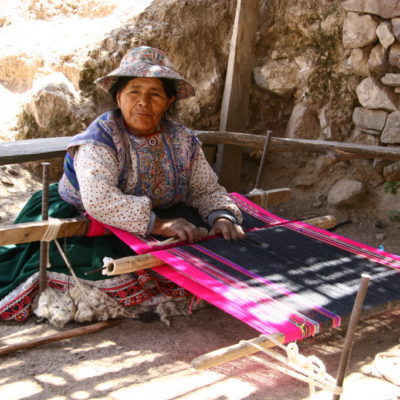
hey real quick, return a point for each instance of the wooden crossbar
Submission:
(34, 231)
(45, 148)
(20, 151)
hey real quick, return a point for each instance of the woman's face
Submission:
(143, 102)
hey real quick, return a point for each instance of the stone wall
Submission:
(371, 38)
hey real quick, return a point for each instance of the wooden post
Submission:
(235, 103)
(44, 246)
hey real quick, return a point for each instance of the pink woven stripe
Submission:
(264, 317)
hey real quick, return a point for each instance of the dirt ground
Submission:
(153, 361)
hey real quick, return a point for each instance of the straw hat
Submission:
(147, 62)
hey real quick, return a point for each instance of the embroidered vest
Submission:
(163, 161)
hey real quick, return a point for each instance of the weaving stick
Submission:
(233, 352)
(130, 264)
(12, 348)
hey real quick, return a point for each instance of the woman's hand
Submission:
(227, 229)
(179, 227)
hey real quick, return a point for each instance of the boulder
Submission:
(55, 108)
(280, 77)
(359, 30)
(372, 94)
(345, 192)
(303, 123)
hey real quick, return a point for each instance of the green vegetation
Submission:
(391, 187)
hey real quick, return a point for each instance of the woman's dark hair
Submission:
(169, 86)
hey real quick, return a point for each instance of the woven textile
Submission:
(286, 277)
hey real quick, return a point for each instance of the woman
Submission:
(133, 159)
(126, 170)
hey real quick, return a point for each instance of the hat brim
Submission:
(145, 70)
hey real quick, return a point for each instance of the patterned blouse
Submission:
(158, 171)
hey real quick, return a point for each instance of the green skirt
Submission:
(19, 264)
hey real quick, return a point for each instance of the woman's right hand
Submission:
(180, 227)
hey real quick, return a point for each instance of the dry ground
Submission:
(152, 361)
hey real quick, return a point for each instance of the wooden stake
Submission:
(84, 330)
(348, 341)
(235, 102)
(44, 246)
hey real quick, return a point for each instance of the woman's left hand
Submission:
(227, 229)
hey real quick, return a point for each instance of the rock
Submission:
(52, 100)
(384, 33)
(6, 182)
(368, 137)
(391, 80)
(303, 123)
(324, 123)
(394, 55)
(380, 236)
(383, 8)
(279, 77)
(396, 28)
(372, 94)
(357, 63)
(369, 119)
(367, 171)
(391, 172)
(359, 30)
(345, 192)
(391, 132)
(378, 59)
